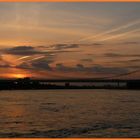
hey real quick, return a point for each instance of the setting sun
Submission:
(19, 75)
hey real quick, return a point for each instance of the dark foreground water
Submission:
(70, 113)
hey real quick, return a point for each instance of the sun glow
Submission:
(18, 75)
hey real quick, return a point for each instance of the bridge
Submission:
(28, 83)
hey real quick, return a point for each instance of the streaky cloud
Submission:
(111, 31)
(22, 58)
(120, 35)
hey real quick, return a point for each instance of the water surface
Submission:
(70, 113)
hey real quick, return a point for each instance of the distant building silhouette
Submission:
(27, 83)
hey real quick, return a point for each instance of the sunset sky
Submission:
(69, 40)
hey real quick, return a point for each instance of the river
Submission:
(70, 113)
